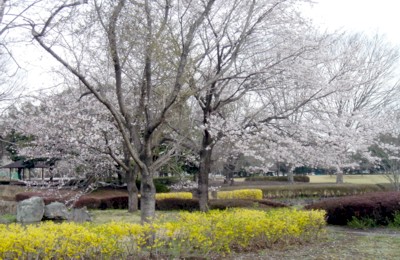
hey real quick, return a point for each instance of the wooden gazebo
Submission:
(22, 166)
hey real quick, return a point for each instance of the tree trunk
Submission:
(205, 168)
(148, 197)
(339, 176)
(131, 177)
(290, 176)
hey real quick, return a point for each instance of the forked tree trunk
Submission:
(148, 197)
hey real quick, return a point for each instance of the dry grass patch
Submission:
(354, 179)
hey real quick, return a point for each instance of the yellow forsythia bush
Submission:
(205, 234)
(240, 194)
(174, 195)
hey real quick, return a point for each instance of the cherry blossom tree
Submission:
(349, 121)
(139, 59)
(246, 46)
(341, 116)
(80, 133)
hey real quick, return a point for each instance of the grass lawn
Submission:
(339, 243)
(355, 179)
(122, 215)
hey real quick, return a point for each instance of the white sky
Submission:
(370, 16)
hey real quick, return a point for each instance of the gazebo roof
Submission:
(21, 165)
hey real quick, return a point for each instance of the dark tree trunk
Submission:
(148, 196)
(290, 175)
(205, 168)
(131, 177)
(339, 176)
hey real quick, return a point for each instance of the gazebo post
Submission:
(10, 175)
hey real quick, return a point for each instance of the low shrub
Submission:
(89, 202)
(177, 204)
(159, 184)
(166, 180)
(211, 235)
(296, 178)
(178, 195)
(222, 204)
(241, 194)
(121, 201)
(362, 223)
(237, 203)
(47, 198)
(379, 206)
(395, 223)
(26, 195)
(117, 202)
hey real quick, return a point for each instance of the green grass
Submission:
(8, 218)
(122, 215)
(354, 179)
(337, 244)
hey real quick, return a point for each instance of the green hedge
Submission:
(160, 186)
(297, 178)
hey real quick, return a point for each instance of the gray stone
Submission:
(30, 210)
(80, 215)
(56, 211)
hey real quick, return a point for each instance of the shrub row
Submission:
(241, 194)
(178, 195)
(121, 202)
(210, 234)
(297, 178)
(110, 202)
(320, 190)
(193, 204)
(380, 207)
(47, 199)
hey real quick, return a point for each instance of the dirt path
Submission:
(366, 232)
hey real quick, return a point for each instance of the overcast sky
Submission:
(370, 16)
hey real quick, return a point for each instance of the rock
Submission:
(80, 215)
(56, 211)
(30, 210)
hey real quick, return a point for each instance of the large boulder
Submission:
(80, 215)
(56, 211)
(30, 210)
